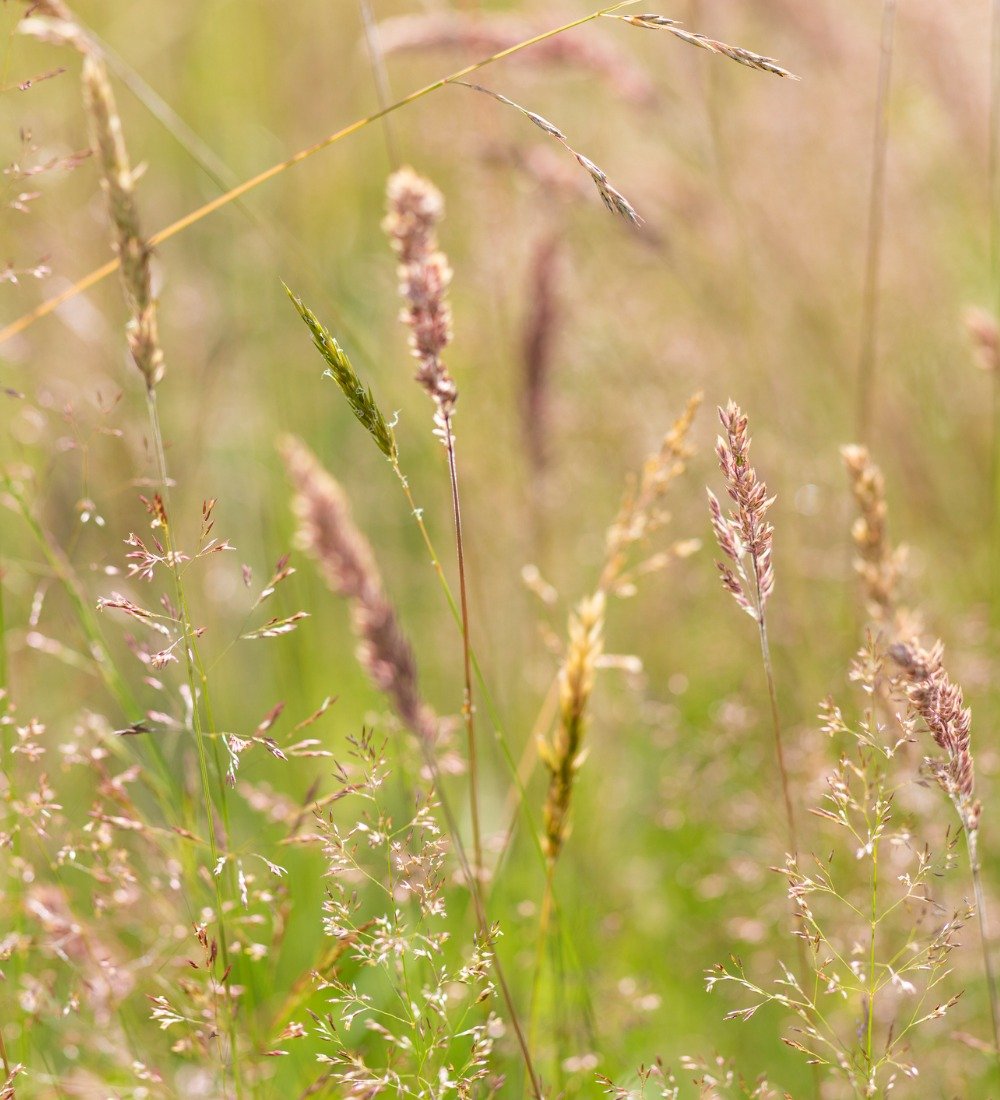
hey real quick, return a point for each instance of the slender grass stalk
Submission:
(871, 298)
(468, 705)
(542, 942)
(475, 890)
(872, 985)
(779, 748)
(383, 92)
(972, 844)
(745, 538)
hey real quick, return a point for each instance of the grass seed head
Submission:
(415, 207)
(118, 182)
(328, 533)
(340, 369)
(939, 703)
(562, 756)
(743, 533)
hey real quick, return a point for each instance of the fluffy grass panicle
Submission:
(744, 535)
(415, 207)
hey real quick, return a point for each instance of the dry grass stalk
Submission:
(734, 53)
(612, 198)
(879, 565)
(415, 206)
(490, 34)
(118, 180)
(329, 535)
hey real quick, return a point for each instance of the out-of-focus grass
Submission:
(745, 283)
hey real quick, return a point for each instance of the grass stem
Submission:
(468, 707)
(972, 842)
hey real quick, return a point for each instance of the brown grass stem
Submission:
(871, 298)
(468, 705)
(516, 770)
(195, 216)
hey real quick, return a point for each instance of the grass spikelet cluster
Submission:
(415, 206)
(118, 180)
(735, 53)
(339, 368)
(563, 757)
(879, 565)
(744, 535)
(612, 198)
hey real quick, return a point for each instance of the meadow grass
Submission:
(358, 745)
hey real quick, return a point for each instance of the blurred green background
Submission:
(745, 281)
